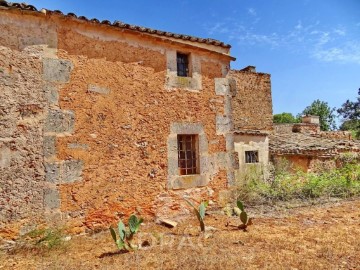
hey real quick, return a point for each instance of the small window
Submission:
(251, 157)
(188, 154)
(182, 65)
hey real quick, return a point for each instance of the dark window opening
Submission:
(182, 65)
(251, 157)
(188, 154)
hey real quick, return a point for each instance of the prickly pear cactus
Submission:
(125, 236)
(200, 213)
(246, 221)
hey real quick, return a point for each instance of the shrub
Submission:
(342, 183)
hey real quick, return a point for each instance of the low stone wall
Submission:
(283, 128)
(337, 135)
(306, 128)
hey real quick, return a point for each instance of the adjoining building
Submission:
(304, 147)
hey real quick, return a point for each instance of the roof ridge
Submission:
(119, 24)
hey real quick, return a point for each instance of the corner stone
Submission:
(56, 70)
(51, 199)
(49, 146)
(52, 172)
(59, 121)
(71, 171)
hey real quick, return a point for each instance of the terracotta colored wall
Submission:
(122, 135)
(252, 106)
(85, 120)
(292, 163)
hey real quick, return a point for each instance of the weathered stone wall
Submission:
(86, 117)
(306, 128)
(122, 132)
(320, 164)
(283, 128)
(24, 43)
(293, 163)
(252, 106)
(337, 135)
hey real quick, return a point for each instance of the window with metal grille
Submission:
(188, 154)
(182, 65)
(251, 156)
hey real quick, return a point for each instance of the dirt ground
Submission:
(325, 236)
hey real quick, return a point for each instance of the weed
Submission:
(39, 241)
(47, 237)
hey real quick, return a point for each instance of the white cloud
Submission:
(319, 42)
(340, 32)
(349, 53)
(299, 25)
(220, 28)
(323, 38)
(251, 11)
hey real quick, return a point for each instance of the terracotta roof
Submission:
(251, 132)
(118, 24)
(305, 144)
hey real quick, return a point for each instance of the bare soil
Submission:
(324, 236)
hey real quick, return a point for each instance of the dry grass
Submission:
(317, 237)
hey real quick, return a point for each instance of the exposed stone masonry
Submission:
(252, 104)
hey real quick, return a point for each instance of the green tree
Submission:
(326, 114)
(283, 118)
(350, 112)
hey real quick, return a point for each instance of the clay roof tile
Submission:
(106, 22)
(71, 15)
(24, 6)
(94, 20)
(57, 12)
(83, 18)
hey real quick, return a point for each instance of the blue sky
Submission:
(311, 48)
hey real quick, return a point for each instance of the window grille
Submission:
(182, 65)
(251, 156)
(188, 154)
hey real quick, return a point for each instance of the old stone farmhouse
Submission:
(99, 120)
(304, 147)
